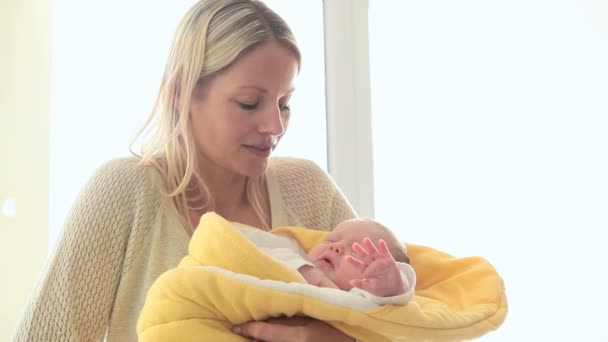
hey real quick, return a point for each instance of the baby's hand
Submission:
(381, 276)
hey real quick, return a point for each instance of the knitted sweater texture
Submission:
(122, 233)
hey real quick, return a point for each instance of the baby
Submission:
(359, 255)
(348, 258)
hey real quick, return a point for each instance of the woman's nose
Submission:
(336, 248)
(272, 122)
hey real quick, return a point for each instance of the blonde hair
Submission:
(212, 36)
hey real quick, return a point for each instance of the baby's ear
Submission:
(400, 254)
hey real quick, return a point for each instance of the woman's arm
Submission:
(73, 299)
(294, 329)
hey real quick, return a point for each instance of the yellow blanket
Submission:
(225, 280)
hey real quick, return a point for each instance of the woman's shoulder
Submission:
(126, 177)
(125, 170)
(121, 165)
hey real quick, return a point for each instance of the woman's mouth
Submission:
(262, 151)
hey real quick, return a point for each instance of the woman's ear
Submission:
(201, 88)
(171, 97)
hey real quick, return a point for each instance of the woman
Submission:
(222, 108)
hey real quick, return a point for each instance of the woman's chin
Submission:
(255, 169)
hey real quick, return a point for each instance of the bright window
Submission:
(489, 135)
(107, 61)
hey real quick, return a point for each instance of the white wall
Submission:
(24, 116)
(490, 124)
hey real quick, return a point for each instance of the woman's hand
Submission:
(294, 329)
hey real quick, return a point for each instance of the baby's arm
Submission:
(381, 276)
(313, 276)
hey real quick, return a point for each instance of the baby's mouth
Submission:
(326, 262)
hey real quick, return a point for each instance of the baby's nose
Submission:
(336, 248)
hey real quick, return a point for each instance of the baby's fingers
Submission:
(361, 252)
(384, 251)
(371, 248)
(355, 262)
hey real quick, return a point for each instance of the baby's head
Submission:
(330, 255)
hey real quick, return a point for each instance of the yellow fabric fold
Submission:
(225, 280)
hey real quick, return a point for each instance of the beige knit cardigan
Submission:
(122, 234)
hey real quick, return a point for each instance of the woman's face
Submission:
(239, 115)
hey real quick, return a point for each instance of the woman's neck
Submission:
(227, 189)
(228, 192)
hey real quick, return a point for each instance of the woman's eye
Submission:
(248, 106)
(285, 107)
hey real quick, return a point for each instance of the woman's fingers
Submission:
(263, 331)
(294, 329)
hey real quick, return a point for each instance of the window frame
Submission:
(349, 130)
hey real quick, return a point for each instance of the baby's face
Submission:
(330, 255)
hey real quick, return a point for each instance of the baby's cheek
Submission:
(314, 252)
